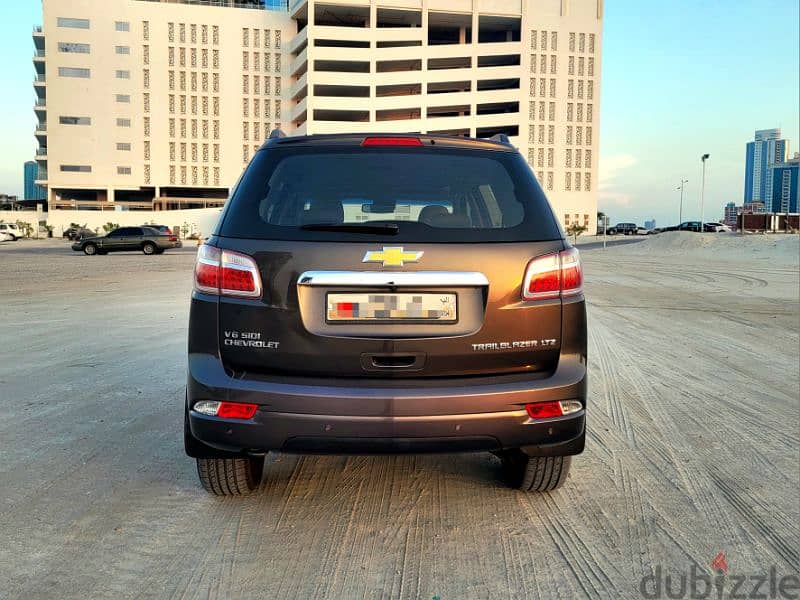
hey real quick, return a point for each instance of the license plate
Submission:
(392, 307)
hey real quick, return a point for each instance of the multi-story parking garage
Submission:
(144, 104)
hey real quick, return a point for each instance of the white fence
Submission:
(199, 220)
(26, 216)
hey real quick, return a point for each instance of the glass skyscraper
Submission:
(33, 191)
(763, 152)
(785, 186)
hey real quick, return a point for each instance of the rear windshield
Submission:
(424, 194)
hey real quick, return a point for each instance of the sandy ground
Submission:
(692, 447)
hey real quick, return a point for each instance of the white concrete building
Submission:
(154, 105)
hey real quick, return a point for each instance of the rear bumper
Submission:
(326, 416)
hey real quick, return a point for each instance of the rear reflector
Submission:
(553, 275)
(226, 273)
(556, 408)
(391, 141)
(235, 410)
(226, 410)
(544, 410)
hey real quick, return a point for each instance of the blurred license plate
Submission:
(391, 307)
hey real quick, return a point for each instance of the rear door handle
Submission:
(400, 361)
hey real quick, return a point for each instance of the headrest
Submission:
(448, 221)
(432, 212)
(324, 211)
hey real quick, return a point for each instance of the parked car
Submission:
(11, 229)
(689, 226)
(149, 241)
(168, 231)
(6, 237)
(622, 229)
(161, 228)
(642, 231)
(716, 227)
(75, 233)
(364, 310)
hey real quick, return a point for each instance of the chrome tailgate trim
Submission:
(415, 279)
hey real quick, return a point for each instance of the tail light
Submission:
(226, 410)
(554, 408)
(391, 141)
(226, 273)
(553, 276)
(173, 238)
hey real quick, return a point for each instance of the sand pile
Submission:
(725, 246)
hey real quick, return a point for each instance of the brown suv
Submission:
(383, 294)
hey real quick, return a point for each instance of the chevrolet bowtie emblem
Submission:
(392, 256)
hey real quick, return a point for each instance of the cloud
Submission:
(612, 165)
(612, 198)
(610, 168)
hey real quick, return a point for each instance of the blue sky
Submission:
(684, 78)
(680, 79)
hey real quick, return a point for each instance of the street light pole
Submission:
(703, 158)
(680, 209)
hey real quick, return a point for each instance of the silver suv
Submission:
(12, 230)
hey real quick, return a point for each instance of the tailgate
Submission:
(325, 312)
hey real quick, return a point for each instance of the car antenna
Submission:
(501, 138)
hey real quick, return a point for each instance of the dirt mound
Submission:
(726, 246)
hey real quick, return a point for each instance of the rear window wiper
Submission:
(382, 228)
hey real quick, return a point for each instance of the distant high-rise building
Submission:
(753, 208)
(33, 191)
(651, 224)
(731, 211)
(785, 186)
(763, 152)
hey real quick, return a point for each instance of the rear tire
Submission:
(149, 248)
(230, 476)
(535, 473)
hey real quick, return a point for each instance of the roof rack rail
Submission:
(501, 138)
(277, 134)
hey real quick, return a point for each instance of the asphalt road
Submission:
(692, 451)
